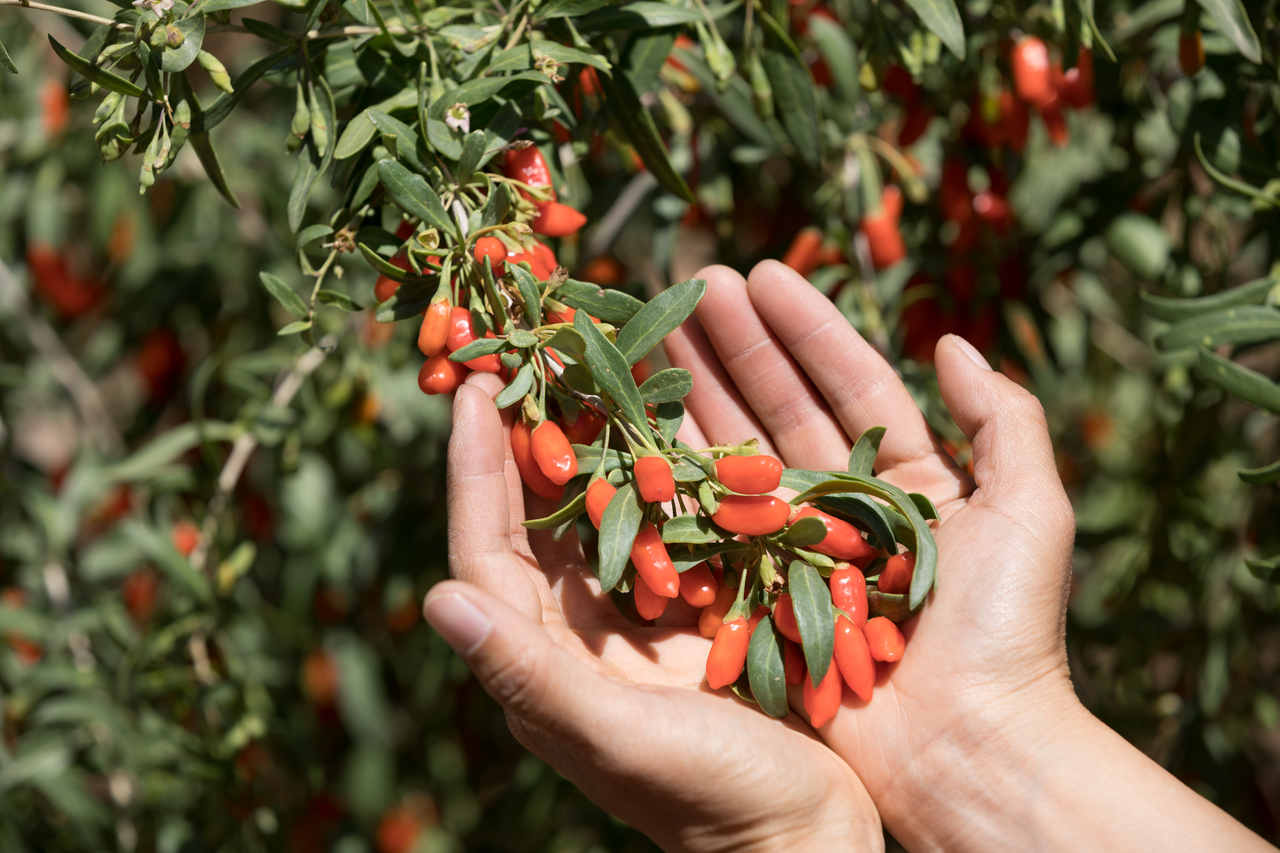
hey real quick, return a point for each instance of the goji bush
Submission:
(223, 481)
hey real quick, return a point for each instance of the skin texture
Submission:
(975, 740)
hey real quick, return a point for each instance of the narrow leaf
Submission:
(623, 103)
(1262, 476)
(618, 528)
(804, 532)
(611, 306)
(1244, 324)
(811, 602)
(567, 512)
(1172, 310)
(283, 293)
(1232, 19)
(943, 19)
(610, 369)
(6, 61)
(766, 670)
(689, 530)
(414, 195)
(1249, 385)
(862, 458)
(89, 71)
(520, 385)
(667, 385)
(660, 316)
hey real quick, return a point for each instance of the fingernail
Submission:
(463, 625)
(968, 349)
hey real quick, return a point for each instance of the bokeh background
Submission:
(275, 688)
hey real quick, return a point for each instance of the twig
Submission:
(603, 235)
(84, 394)
(68, 13)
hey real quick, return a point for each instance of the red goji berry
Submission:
(712, 616)
(1076, 85)
(552, 452)
(186, 536)
(802, 254)
(752, 515)
(140, 591)
(884, 639)
(895, 577)
(460, 332)
(526, 164)
(545, 259)
(1032, 76)
(491, 248)
(530, 473)
(749, 475)
(586, 427)
(648, 603)
(853, 659)
(792, 662)
(439, 375)
(843, 541)
(434, 331)
(728, 653)
(485, 363)
(654, 480)
(557, 220)
(698, 585)
(653, 563)
(784, 617)
(822, 701)
(1190, 52)
(881, 230)
(599, 492)
(849, 592)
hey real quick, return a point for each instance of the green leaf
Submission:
(811, 601)
(669, 416)
(223, 5)
(168, 446)
(637, 125)
(804, 532)
(611, 306)
(1263, 568)
(659, 317)
(520, 385)
(943, 18)
(475, 349)
(304, 178)
(1262, 476)
(866, 513)
(414, 195)
(402, 139)
(610, 369)
(924, 505)
(167, 558)
(667, 385)
(1172, 310)
(1249, 385)
(565, 54)
(921, 536)
(841, 56)
(570, 8)
(618, 528)
(794, 100)
(690, 530)
(203, 147)
(890, 605)
(1231, 18)
(642, 15)
(339, 300)
(284, 294)
(1244, 324)
(295, 328)
(6, 61)
(862, 458)
(178, 58)
(567, 512)
(685, 558)
(766, 671)
(89, 71)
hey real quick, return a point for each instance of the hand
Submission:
(774, 360)
(619, 709)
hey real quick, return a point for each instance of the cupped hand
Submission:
(618, 708)
(775, 360)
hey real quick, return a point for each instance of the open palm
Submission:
(775, 360)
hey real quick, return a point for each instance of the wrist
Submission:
(977, 784)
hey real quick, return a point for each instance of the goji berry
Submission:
(728, 653)
(552, 452)
(434, 331)
(557, 220)
(320, 677)
(822, 702)
(439, 375)
(1076, 86)
(884, 639)
(491, 248)
(545, 259)
(599, 492)
(648, 603)
(140, 591)
(880, 227)
(698, 585)
(1032, 76)
(385, 288)
(530, 473)
(654, 480)
(914, 124)
(186, 536)
(843, 541)
(527, 165)
(853, 659)
(849, 592)
(603, 270)
(895, 577)
(749, 475)
(55, 106)
(792, 662)
(485, 363)
(712, 616)
(802, 254)
(586, 427)
(751, 515)
(460, 332)
(653, 563)
(1190, 52)
(784, 617)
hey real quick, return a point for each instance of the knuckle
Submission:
(513, 683)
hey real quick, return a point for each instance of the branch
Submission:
(84, 394)
(67, 13)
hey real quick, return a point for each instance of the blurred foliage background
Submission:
(194, 663)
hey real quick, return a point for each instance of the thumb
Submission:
(1013, 461)
(550, 696)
